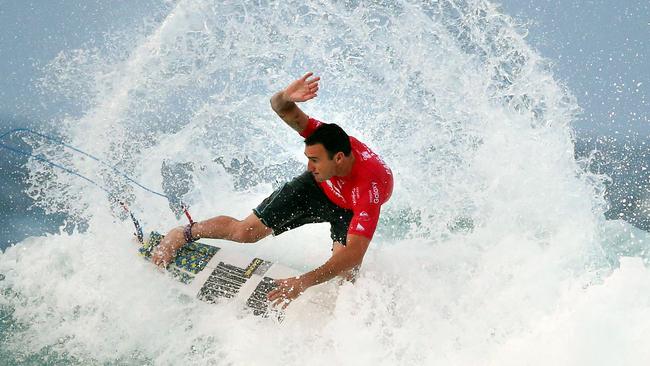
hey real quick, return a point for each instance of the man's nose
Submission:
(310, 166)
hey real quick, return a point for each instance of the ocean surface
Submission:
(509, 239)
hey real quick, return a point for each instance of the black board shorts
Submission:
(301, 201)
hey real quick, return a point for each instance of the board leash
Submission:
(139, 233)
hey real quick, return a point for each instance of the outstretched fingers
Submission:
(310, 82)
(313, 82)
(311, 86)
(275, 295)
(303, 89)
(286, 291)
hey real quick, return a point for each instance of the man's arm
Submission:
(348, 258)
(284, 101)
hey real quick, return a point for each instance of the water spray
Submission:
(122, 203)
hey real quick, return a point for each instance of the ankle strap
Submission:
(188, 232)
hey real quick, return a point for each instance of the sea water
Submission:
(493, 250)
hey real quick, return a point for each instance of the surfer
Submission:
(345, 184)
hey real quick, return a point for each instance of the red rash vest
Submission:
(364, 190)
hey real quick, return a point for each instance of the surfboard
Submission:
(219, 275)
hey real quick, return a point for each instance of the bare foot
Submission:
(165, 251)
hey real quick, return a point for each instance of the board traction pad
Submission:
(225, 281)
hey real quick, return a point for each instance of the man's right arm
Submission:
(289, 112)
(284, 101)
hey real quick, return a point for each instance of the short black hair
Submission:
(333, 139)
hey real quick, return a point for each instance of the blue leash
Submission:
(61, 143)
(137, 225)
(40, 158)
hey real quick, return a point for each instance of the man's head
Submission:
(328, 150)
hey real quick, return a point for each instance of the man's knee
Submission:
(250, 230)
(246, 235)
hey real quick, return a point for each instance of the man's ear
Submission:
(338, 157)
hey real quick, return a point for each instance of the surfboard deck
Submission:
(216, 275)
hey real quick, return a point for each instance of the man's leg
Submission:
(249, 230)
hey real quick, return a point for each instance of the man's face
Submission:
(319, 164)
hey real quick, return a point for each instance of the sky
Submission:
(34, 32)
(599, 49)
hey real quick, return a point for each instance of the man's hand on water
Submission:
(288, 290)
(303, 89)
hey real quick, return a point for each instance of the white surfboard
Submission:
(217, 275)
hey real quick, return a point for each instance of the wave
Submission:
(493, 243)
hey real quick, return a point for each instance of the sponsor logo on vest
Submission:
(360, 228)
(375, 192)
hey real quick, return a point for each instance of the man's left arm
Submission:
(344, 260)
(368, 201)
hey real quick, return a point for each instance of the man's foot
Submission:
(165, 251)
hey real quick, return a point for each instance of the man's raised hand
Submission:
(303, 89)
